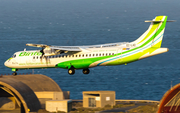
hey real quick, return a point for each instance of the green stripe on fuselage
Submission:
(81, 63)
(154, 27)
(84, 63)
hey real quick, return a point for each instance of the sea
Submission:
(90, 22)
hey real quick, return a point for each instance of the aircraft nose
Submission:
(6, 63)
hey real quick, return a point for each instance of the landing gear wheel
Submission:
(86, 71)
(14, 74)
(71, 71)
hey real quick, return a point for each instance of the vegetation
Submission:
(123, 105)
(78, 108)
(145, 109)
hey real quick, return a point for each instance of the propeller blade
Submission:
(42, 55)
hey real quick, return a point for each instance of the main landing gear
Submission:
(14, 74)
(86, 71)
(71, 71)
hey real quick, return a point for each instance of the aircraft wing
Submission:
(38, 45)
(66, 48)
(61, 48)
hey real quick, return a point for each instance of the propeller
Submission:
(49, 52)
(43, 56)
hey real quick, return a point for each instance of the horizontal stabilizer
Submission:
(159, 21)
(156, 52)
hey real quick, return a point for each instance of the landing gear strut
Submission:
(86, 71)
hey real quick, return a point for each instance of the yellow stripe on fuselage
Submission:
(153, 28)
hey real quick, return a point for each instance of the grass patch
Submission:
(144, 109)
(123, 105)
(106, 107)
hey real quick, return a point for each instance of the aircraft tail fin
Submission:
(154, 35)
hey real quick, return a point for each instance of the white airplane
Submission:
(85, 57)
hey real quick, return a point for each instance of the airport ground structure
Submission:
(29, 93)
(32, 92)
(170, 102)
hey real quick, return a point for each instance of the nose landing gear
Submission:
(14, 73)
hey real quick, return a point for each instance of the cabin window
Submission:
(69, 55)
(76, 55)
(79, 55)
(72, 55)
(86, 55)
(89, 55)
(103, 54)
(66, 56)
(93, 54)
(100, 54)
(112, 53)
(37, 57)
(62, 56)
(83, 55)
(34, 57)
(109, 53)
(106, 54)
(96, 54)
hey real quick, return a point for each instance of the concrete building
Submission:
(29, 92)
(98, 98)
(59, 105)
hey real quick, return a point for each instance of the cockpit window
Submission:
(14, 56)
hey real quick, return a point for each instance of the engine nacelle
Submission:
(50, 52)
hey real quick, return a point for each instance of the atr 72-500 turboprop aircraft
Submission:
(85, 57)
